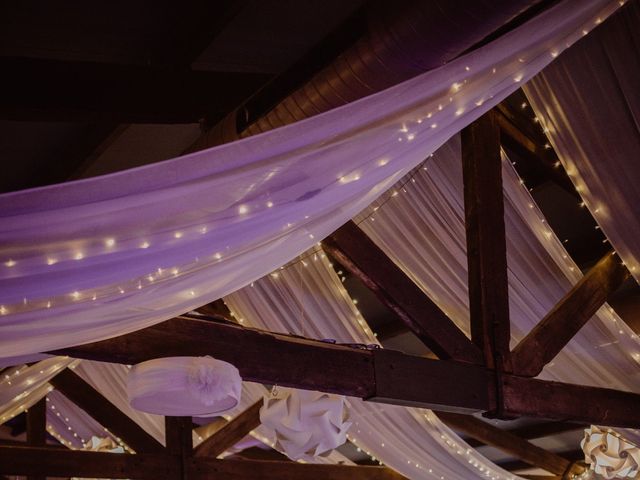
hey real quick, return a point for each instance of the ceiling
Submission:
(96, 87)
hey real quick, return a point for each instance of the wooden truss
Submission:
(481, 374)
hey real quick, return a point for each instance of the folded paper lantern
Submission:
(184, 386)
(305, 424)
(104, 444)
(610, 455)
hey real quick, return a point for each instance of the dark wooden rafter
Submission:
(569, 315)
(363, 258)
(19, 460)
(231, 433)
(379, 374)
(51, 462)
(179, 442)
(37, 428)
(208, 468)
(516, 465)
(538, 430)
(486, 242)
(104, 412)
(506, 441)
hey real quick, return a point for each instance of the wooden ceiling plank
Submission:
(231, 433)
(568, 316)
(104, 412)
(364, 259)
(506, 441)
(486, 241)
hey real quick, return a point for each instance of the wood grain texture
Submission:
(486, 242)
(506, 441)
(568, 316)
(364, 259)
(231, 433)
(104, 412)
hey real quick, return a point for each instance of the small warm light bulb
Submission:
(78, 256)
(110, 242)
(269, 204)
(10, 263)
(52, 261)
(243, 209)
(76, 295)
(177, 234)
(144, 245)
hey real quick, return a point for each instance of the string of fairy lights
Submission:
(315, 254)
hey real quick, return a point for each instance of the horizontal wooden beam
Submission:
(77, 463)
(207, 469)
(364, 259)
(569, 315)
(51, 90)
(377, 374)
(299, 363)
(104, 412)
(530, 397)
(231, 433)
(506, 441)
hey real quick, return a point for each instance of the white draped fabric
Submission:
(101, 257)
(589, 101)
(420, 224)
(307, 298)
(422, 230)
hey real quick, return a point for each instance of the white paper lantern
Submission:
(104, 444)
(609, 454)
(305, 424)
(184, 386)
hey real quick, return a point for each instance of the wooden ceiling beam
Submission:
(375, 374)
(300, 362)
(104, 412)
(49, 462)
(486, 241)
(506, 441)
(179, 443)
(568, 316)
(363, 258)
(231, 433)
(41, 461)
(37, 428)
(208, 468)
(538, 430)
(516, 465)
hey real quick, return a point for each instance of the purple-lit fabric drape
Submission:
(589, 101)
(101, 257)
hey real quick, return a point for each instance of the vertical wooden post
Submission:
(178, 438)
(486, 243)
(37, 428)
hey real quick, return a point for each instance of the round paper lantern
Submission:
(610, 455)
(305, 424)
(184, 386)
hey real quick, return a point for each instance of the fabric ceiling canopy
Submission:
(589, 101)
(101, 257)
